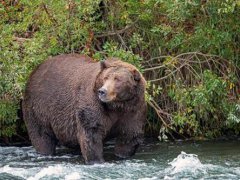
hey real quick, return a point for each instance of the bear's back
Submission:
(57, 85)
(60, 73)
(59, 68)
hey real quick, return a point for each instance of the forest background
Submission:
(188, 50)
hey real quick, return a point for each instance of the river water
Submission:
(154, 160)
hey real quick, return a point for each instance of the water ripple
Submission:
(152, 163)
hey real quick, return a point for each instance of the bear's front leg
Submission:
(91, 143)
(91, 133)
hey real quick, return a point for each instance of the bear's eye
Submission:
(105, 78)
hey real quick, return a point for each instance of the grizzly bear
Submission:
(72, 100)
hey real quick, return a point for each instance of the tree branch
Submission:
(52, 19)
(117, 32)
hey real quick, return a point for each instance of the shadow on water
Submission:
(154, 160)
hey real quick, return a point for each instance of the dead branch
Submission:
(159, 111)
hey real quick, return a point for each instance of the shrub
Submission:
(154, 35)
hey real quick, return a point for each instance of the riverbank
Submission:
(147, 140)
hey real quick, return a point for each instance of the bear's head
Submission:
(119, 82)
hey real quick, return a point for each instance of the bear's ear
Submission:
(136, 75)
(103, 64)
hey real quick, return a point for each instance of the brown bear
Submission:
(72, 100)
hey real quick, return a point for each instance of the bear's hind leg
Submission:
(125, 148)
(42, 138)
(130, 136)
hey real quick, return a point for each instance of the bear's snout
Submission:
(102, 92)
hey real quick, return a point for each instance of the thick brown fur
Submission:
(61, 105)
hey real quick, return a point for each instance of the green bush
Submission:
(203, 109)
(148, 34)
(30, 32)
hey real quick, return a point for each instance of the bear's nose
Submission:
(102, 92)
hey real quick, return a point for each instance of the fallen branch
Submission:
(159, 111)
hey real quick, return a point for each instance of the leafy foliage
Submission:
(154, 35)
(203, 108)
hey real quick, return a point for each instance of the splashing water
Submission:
(187, 165)
(183, 162)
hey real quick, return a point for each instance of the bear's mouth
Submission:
(114, 100)
(104, 99)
